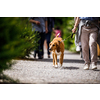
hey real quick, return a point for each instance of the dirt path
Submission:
(41, 71)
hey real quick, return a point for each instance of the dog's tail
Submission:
(58, 35)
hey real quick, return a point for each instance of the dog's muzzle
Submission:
(49, 49)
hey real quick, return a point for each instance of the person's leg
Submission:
(42, 44)
(85, 44)
(39, 46)
(36, 51)
(45, 44)
(48, 36)
(93, 48)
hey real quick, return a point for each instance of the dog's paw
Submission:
(53, 65)
(60, 65)
(56, 66)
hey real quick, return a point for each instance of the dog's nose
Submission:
(49, 49)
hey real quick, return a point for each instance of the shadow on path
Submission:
(50, 60)
(96, 70)
(70, 68)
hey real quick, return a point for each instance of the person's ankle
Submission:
(48, 56)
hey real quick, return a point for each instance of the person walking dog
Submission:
(88, 36)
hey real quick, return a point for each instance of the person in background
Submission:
(39, 24)
(88, 33)
(50, 22)
(57, 30)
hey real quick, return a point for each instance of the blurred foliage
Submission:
(66, 24)
(30, 37)
(16, 40)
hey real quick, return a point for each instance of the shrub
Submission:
(31, 40)
(16, 40)
(66, 24)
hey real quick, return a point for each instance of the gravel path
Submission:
(37, 71)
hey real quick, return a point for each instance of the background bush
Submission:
(66, 24)
(16, 40)
(30, 38)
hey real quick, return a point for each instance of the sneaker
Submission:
(78, 48)
(48, 56)
(34, 55)
(94, 65)
(86, 67)
(40, 57)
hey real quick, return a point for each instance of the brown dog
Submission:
(57, 47)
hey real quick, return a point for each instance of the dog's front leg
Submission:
(55, 57)
(61, 59)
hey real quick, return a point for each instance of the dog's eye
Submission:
(53, 45)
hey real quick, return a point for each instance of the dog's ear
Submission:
(58, 43)
(58, 47)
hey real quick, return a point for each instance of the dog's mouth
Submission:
(50, 49)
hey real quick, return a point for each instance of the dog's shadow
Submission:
(70, 68)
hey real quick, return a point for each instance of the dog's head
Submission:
(54, 45)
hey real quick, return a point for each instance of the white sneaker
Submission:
(86, 67)
(94, 65)
(78, 48)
